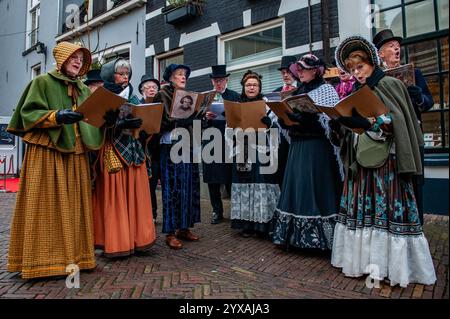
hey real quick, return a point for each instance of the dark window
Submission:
(73, 13)
(98, 7)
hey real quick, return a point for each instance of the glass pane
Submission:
(444, 53)
(163, 63)
(67, 17)
(434, 86)
(391, 19)
(445, 80)
(443, 14)
(254, 47)
(270, 81)
(431, 123)
(420, 18)
(446, 128)
(424, 55)
(387, 3)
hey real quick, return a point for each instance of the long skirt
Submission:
(123, 219)
(378, 230)
(52, 224)
(180, 183)
(309, 202)
(254, 198)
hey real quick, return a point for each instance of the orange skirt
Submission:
(123, 221)
(52, 224)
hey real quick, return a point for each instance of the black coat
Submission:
(426, 95)
(219, 173)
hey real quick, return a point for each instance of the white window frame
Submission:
(34, 7)
(163, 56)
(34, 68)
(247, 31)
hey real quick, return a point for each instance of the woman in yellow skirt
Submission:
(52, 227)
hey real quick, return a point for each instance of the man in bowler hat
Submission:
(217, 174)
(389, 51)
(289, 81)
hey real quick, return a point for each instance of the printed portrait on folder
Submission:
(184, 106)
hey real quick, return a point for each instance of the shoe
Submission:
(217, 218)
(187, 235)
(246, 233)
(173, 242)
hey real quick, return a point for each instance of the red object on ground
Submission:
(12, 185)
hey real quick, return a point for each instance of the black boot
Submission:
(217, 218)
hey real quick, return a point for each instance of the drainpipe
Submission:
(310, 25)
(325, 11)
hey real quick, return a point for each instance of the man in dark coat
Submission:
(290, 83)
(389, 51)
(217, 174)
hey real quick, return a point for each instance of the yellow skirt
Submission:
(52, 226)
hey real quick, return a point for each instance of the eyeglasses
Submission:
(220, 80)
(122, 74)
(252, 85)
(145, 87)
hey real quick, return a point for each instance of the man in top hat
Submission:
(148, 88)
(389, 51)
(93, 80)
(217, 174)
(290, 83)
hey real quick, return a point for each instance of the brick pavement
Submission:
(221, 265)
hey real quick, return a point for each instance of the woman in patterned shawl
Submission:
(309, 202)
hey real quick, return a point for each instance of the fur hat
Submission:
(353, 44)
(64, 50)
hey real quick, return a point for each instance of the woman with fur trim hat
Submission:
(378, 230)
(309, 202)
(254, 196)
(52, 224)
(180, 181)
(123, 222)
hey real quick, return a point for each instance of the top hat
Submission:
(171, 68)
(148, 78)
(93, 76)
(219, 71)
(286, 61)
(384, 36)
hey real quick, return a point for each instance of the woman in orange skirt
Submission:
(123, 222)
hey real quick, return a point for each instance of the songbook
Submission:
(97, 104)
(363, 100)
(404, 73)
(151, 115)
(218, 109)
(245, 115)
(185, 103)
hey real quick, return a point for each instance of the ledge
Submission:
(436, 159)
(30, 49)
(101, 19)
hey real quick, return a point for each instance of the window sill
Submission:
(101, 19)
(436, 159)
(30, 49)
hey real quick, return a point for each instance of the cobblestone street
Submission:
(221, 265)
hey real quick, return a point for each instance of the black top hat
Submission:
(92, 77)
(148, 78)
(219, 71)
(286, 61)
(384, 36)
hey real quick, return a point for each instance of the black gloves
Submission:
(415, 93)
(129, 123)
(111, 117)
(266, 121)
(294, 117)
(68, 117)
(355, 121)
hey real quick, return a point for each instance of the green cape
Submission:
(48, 93)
